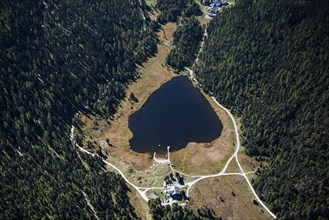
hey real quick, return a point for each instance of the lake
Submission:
(174, 115)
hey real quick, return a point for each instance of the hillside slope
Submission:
(58, 58)
(268, 61)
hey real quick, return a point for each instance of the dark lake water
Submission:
(174, 115)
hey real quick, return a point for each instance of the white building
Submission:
(171, 190)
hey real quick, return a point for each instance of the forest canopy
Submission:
(171, 10)
(58, 58)
(268, 62)
(186, 43)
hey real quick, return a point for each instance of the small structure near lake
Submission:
(171, 190)
(170, 187)
(214, 7)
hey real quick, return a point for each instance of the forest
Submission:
(177, 212)
(59, 58)
(186, 42)
(171, 10)
(268, 62)
(265, 60)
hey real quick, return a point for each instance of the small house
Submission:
(172, 190)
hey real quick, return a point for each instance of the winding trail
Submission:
(204, 36)
(143, 16)
(234, 156)
(143, 190)
(90, 205)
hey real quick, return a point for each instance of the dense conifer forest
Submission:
(186, 43)
(268, 61)
(177, 212)
(172, 9)
(58, 58)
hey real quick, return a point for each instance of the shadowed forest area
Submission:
(268, 62)
(58, 58)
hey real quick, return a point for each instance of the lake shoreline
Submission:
(196, 158)
(152, 74)
(175, 114)
(140, 168)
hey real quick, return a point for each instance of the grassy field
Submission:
(151, 3)
(150, 177)
(141, 207)
(233, 167)
(229, 196)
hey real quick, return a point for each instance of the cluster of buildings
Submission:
(171, 188)
(214, 7)
(171, 191)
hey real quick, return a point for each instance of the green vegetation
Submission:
(151, 3)
(268, 62)
(58, 58)
(177, 212)
(193, 8)
(187, 40)
(172, 9)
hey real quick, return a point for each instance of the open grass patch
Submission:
(229, 196)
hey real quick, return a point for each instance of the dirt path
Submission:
(234, 156)
(119, 129)
(142, 12)
(141, 190)
(152, 74)
(90, 205)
